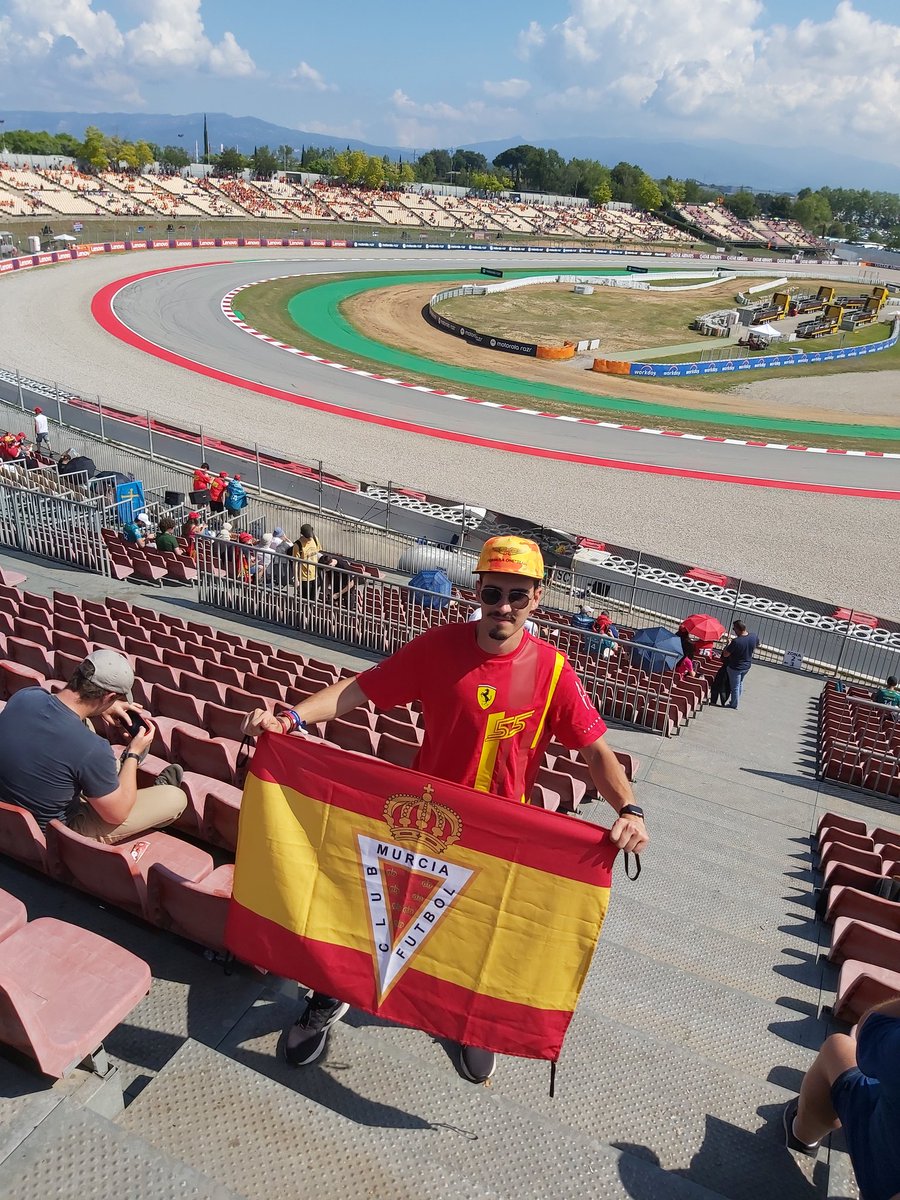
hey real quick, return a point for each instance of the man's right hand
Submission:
(261, 720)
(144, 739)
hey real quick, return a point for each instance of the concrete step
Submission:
(238, 1121)
(76, 1153)
(621, 1088)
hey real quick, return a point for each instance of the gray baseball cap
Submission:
(112, 672)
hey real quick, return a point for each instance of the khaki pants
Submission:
(154, 808)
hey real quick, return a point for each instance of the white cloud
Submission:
(53, 46)
(437, 123)
(507, 89)
(707, 70)
(308, 76)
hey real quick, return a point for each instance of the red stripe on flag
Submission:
(440, 1008)
(533, 837)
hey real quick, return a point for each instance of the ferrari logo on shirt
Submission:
(486, 696)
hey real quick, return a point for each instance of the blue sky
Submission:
(416, 74)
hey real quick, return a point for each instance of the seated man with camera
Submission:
(57, 768)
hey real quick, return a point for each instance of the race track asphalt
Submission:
(820, 545)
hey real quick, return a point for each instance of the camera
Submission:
(136, 725)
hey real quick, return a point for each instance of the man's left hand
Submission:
(629, 833)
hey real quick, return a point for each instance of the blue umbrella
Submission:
(655, 649)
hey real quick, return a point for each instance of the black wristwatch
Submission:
(632, 810)
(138, 758)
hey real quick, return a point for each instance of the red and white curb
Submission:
(228, 312)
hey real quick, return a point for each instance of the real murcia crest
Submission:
(409, 886)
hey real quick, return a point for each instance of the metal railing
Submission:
(365, 612)
(54, 527)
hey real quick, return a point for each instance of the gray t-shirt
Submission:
(49, 758)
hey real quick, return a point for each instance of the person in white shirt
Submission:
(41, 432)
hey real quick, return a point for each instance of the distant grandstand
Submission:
(31, 191)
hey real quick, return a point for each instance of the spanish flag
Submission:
(470, 917)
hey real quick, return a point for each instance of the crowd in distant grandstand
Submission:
(49, 192)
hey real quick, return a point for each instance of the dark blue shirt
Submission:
(739, 652)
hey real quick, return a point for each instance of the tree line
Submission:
(850, 213)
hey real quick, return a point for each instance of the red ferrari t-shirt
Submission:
(488, 717)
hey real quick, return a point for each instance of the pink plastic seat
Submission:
(222, 810)
(62, 990)
(208, 756)
(13, 914)
(193, 910)
(21, 837)
(836, 852)
(33, 630)
(855, 841)
(571, 791)
(360, 738)
(179, 705)
(27, 654)
(864, 942)
(14, 678)
(863, 906)
(112, 873)
(224, 722)
(393, 750)
(860, 986)
(836, 821)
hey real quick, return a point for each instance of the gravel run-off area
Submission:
(832, 547)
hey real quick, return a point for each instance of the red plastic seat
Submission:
(14, 678)
(215, 757)
(181, 569)
(27, 654)
(836, 852)
(13, 914)
(31, 631)
(841, 837)
(865, 942)
(113, 873)
(860, 986)
(21, 837)
(222, 721)
(221, 814)
(138, 646)
(360, 738)
(230, 676)
(862, 906)
(71, 625)
(207, 690)
(68, 643)
(162, 673)
(108, 638)
(196, 911)
(143, 568)
(179, 705)
(393, 750)
(887, 837)
(571, 790)
(62, 990)
(836, 821)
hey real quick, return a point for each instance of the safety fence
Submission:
(365, 612)
(403, 531)
(58, 528)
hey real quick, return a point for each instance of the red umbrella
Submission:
(703, 628)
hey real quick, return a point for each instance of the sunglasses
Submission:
(518, 597)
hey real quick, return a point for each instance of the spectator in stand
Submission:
(888, 694)
(190, 530)
(473, 682)
(279, 542)
(854, 1084)
(57, 768)
(202, 479)
(685, 665)
(737, 656)
(306, 551)
(339, 581)
(235, 497)
(41, 431)
(137, 531)
(166, 539)
(217, 488)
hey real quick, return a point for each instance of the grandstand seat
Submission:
(266, 688)
(11, 579)
(836, 821)
(405, 730)
(149, 572)
(31, 631)
(836, 852)
(21, 837)
(862, 906)
(27, 654)
(62, 990)
(195, 910)
(179, 705)
(158, 673)
(221, 721)
(180, 570)
(887, 837)
(179, 661)
(69, 644)
(222, 809)
(350, 736)
(222, 674)
(545, 797)
(72, 625)
(13, 914)
(64, 665)
(571, 791)
(865, 942)
(108, 638)
(841, 837)
(860, 986)
(198, 752)
(396, 751)
(839, 874)
(113, 873)
(14, 678)
(882, 777)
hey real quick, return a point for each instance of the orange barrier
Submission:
(557, 353)
(611, 366)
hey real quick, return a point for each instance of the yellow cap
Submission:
(510, 556)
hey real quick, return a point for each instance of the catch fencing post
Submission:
(202, 451)
(837, 665)
(100, 414)
(19, 388)
(149, 434)
(387, 511)
(737, 596)
(258, 467)
(321, 485)
(637, 566)
(58, 406)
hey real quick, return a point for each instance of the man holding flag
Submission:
(492, 697)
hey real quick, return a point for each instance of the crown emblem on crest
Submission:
(416, 820)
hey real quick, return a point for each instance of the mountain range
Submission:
(719, 163)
